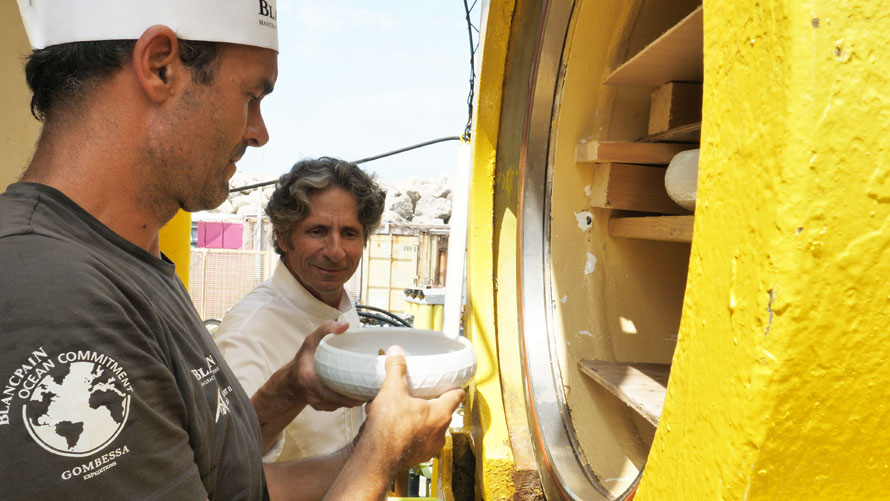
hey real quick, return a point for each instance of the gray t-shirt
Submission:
(110, 387)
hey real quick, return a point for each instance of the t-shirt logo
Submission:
(222, 405)
(80, 406)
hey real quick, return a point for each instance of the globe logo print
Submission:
(77, 410)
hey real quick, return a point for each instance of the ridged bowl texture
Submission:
(350, 363)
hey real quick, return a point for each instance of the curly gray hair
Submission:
(289, 203)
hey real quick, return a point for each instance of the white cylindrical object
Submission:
(681, 178)
(457, 244)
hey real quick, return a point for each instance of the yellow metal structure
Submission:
(778, 377)
(18, 129)
(497, 452)
(176, 242)
(779, 386)
(426, 316)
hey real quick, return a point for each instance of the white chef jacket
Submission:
(261, 333)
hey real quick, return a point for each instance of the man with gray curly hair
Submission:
(289, 203)
(323, 211)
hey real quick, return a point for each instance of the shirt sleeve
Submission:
(247, 360)
(245, 357)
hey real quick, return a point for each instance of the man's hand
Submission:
(413, 429)
(305, 383)
(400, 431)
(294, 385)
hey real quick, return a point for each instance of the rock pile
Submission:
(413, 200)
(418, 201)
(244, 203)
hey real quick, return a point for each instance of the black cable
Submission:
(469, 127)
(386, 313)
(409, 148)
(363, 160)
(379, 319)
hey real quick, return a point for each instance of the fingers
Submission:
(311, 390)
(327, 327)
(323, 398)
(396, 368)
(335, 326)
(448, 402)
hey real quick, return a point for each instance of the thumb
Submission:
(396, 368)
(327, 327)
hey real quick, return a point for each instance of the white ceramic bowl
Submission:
(350, 363)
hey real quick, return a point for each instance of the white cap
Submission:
(246, 22)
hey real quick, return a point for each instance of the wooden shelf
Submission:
(684, 134)
(662, 228)
(675, 56)
(631, 187)
(628, 153)
(641, 386)
(673, 105)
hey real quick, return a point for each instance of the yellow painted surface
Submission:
(628, 280)
(442, 477)
(779, 381)
(176, 242)
(611, 299)
(494, 456)
(18, 129)
(434, 485)
(504, 260)
(509, 358)
(426, 316)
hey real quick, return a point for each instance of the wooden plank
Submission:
(674, 104)
(662, 228)
(675, 56)
(686, 134)
(631, 187)
(628, 153)
(641, 386)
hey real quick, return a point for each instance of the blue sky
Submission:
(360, 78)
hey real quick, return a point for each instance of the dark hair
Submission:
(66, 72)
(289, 203)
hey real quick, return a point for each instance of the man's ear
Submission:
(283, 243)
(156, 62)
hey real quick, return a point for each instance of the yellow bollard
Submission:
(176, 243)
(427, 306)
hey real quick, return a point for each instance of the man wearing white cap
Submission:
(112, 389)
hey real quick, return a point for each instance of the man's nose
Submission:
(255, 133)
(333, 249)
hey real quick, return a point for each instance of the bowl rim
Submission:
(467, 345)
